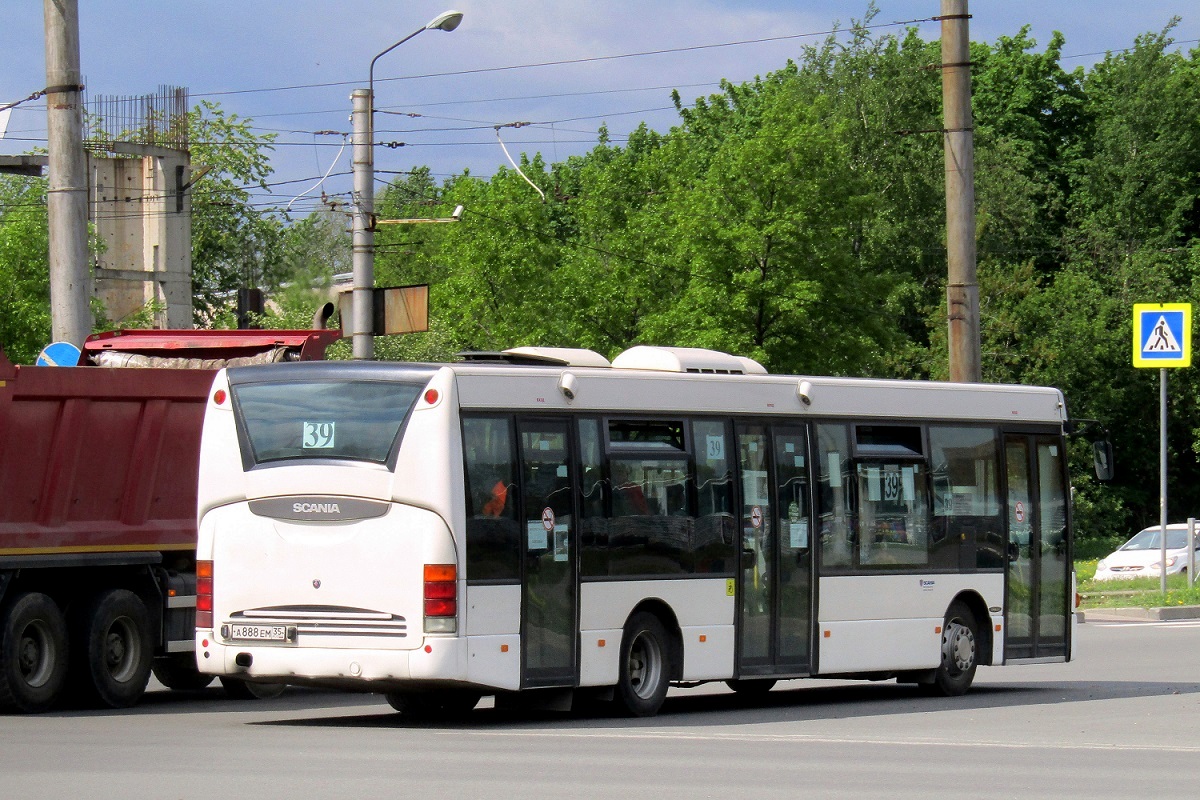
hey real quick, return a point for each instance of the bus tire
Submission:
(33, 653)
(180, 673)
(112, 649)
(239, 689)
(434, 704)
(960, 652)
(750, 687)
(645, 669)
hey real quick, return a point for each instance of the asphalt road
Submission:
(1123, 721)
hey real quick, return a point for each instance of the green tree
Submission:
(312, 252)
(234, 244)
(24, 272)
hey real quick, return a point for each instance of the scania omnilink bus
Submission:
(547, 520)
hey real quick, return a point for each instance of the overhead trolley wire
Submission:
(566, 61)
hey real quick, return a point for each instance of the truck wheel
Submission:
(33, 653)
(645, 666)
(248, 690)
(113, 649)
(179, 672)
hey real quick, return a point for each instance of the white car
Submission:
(1140, 557)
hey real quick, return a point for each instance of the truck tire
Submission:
(180, 673)
(112, 650)
(248, 690)
(33, 653)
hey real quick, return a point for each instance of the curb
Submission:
(1138, 614)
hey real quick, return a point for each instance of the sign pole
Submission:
(1191, 563)
(1162, 477)
(1162, 338)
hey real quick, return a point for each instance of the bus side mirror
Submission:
(1102, 457)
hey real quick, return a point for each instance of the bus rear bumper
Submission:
(436, 660)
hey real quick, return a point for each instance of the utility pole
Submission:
(363, 241)
(962, 288)
(67, 195)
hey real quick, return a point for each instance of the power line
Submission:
(568, 61)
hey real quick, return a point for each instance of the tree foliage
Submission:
(799, 219)
(234, 244)
(24, 270)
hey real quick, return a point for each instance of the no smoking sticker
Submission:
(756, 516)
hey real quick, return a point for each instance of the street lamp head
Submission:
(446, 21)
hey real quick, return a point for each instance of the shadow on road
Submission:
(790, 702)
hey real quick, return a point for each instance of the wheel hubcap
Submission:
(36, 655)
(958, 647)
(121, 650)
(645, 666)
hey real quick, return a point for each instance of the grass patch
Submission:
(1132, 593)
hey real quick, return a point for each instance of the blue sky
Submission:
(243, 55)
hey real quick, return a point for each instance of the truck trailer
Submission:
(98, 470)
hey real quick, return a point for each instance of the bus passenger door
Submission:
(1039, 565)
(775, 571)
(548, 600)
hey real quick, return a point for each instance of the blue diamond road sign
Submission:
(1162, 335)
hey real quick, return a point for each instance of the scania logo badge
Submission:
(316, 583)
(318, 508)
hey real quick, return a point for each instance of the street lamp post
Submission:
(363, 241)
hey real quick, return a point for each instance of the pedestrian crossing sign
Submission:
(1162, 335)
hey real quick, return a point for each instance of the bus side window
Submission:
(493, 534)
(969, 531)
(593, 523)
(835, 498)
(893, 507)
(715, 533)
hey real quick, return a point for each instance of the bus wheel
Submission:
(33, 653)
(179, 672)
(112, 649)
(751, 688)
(434, 704)
(645, 667)
(959, 652)
(249, 690)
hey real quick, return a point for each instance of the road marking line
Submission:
(800, 737)
(1181, 623)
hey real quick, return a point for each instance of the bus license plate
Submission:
(259, 633)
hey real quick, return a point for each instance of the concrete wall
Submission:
(144, 219)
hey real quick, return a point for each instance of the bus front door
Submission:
(548, 601)
(775, 570)
(1039, 565)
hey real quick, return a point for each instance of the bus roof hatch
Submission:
(687, 359)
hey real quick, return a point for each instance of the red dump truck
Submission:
(98, 469)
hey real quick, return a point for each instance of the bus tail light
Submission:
(204, 598)
(441, 598)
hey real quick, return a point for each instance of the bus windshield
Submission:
(357, 420)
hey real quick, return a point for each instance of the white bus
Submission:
(546, 523)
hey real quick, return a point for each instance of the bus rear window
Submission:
(357, 420)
